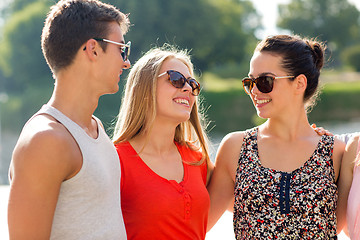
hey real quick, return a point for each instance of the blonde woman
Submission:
(163, 149)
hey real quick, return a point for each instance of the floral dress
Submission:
(271, 204)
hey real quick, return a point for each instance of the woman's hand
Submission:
(321, 131)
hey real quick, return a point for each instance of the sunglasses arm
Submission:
(162, 74)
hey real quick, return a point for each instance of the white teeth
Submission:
(263, 101)
(182, 101)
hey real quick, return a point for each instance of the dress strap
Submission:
(249, 136)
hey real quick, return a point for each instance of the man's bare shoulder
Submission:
(46, 143)
(43, 131)
(45, 156)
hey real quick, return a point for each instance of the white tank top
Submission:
(89, 204)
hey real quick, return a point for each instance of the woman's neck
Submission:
(159, 138)
(290, 128)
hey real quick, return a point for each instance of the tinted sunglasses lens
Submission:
(176, 79)
(195, 86)
(125, 53)
(247, 85)
(265, 84)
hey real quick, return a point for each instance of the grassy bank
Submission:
(230, 109)
(339, 101)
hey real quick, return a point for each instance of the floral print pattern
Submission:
(271, 204)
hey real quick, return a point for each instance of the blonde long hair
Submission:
(138, 108)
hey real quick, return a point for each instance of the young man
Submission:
(65, 172)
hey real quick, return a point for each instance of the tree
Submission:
(237, 23)
(24, 74)
(351, 56)
(9, 7)
(335, 21)
(21, 59)
(215, 31)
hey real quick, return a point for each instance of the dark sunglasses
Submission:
(178, 80)
(265, 84)
(125, 48)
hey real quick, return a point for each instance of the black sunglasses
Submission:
(178, 80)
(265, 84)
(125, 48)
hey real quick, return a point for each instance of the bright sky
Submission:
(268, 10)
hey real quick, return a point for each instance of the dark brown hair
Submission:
(299, 56)
(70, 23)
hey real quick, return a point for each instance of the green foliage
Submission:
(13, 6)
(20, 107)
(21, 59)
(338, 101)
(335, 21)
(229, 111)
(205, 26)
(351, 56)
(235, 37)
(5, 9)
(109, 106)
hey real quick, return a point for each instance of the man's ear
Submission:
(300, 83)
(90, 48)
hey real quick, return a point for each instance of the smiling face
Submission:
(272, 103)
(174, 104)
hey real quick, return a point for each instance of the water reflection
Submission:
(341, 128)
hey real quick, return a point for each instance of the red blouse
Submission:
(156, 208)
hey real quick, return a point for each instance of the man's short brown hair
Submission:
(70, 23)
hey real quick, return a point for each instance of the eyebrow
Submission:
(263, 74)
